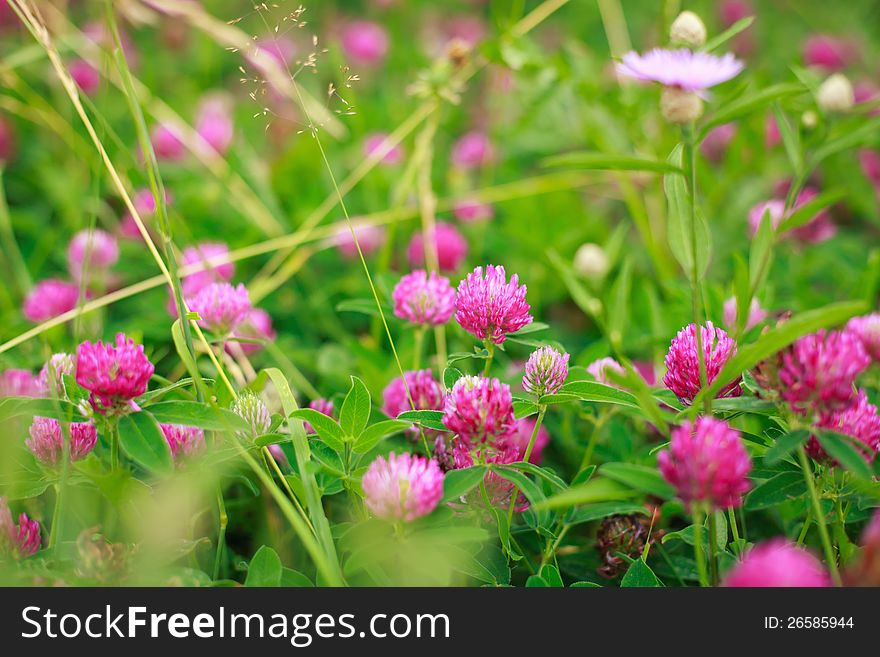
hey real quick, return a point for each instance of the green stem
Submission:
(713, 549)
(417, 348)
(490, 347)
(819, 516)
(807, 522)
(591, 445)
(698, 547)
(56, 515)
(731, 516)
(221, 533)
(114, 445)
(10, 245)
(542, 410)
(552, 547)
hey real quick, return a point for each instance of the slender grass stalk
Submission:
(819, 516)
(223, 522)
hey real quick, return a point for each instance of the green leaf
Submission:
(840, 447)
(679, 232)
(781, 488)
(427, 419)
(450, 376)
(640, 575)
(364, 307)
(265, 569)
(326, 427)
(619, 305)
(593, 512)
(785, 445)
(197, 414)
(760, 255)
(458, 483)
(534, 327)
(716, 42)
(373, 435)
(778, 338)
(12, 407)
(544, 473)
(185, 356)
(805, 213)
(748, 104)
(536, 582)
(524, 408)
(639, 477)
(550, 574)
(790, 140)
(593, 160)
(592, 391)
(355, 413)
(142, 440)
(294, 579)
(595, 490)
(584, 585)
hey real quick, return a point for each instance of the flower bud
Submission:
(836, 94)
(680, 106)
(688, 30)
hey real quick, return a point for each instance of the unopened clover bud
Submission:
(680, 106)
(810, 120)
(688, 30)
(836, 94)
(591, 261)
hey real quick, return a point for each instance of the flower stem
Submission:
(221, 533)
(731, 516)
(713, 549)
(490, 347)
(114, 446)
(819, 516)
(698, 547)
(542, 410)
(417, 349)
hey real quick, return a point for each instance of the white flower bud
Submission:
(810, 120)
(836, 94)
(680, 106)
(688, 30)
(590, 261)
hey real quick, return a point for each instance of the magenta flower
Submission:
(403, 487)
(427, 394)
(214, 124)
(858, 420)
(870, 163)
(377, 143)
(101, 247)
(20, 383)
(683, 365)
(253, 410)
(546, 371)
(370, 238)
(756, 314)
(472, 150)
(183, 441)
(818, 229)
(479, 411)
(221, 307)
(50, 298)
(257, 326)
(7, 141)
(472, 211)
(683, 69)
(828, 52)
(452, 247)
(498, 489)
(423, 298)
(167, 143)
(46, 440)
(321, 405)
(522, 434)
(867, 329)
(145, 205)
(707, 464)
(772, 136)
(207, 257)
(365, 42)
(489, 307)
(775, 207)
(19, 541)
(599, 370)
(114, 374)
(817, 372)
(714, 146)
(86, 76)
(777, 563)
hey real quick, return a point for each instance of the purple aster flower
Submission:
(101, 247)
(707, 464)
(378, 143)
(46, 440)
(472, 150)
(489, 307)
(479, 411)
(50, 298)
(253, 410)
(867, 329)
(599, 370)
(683, 69)
(20, 383)
(114, 374)
(402, 487)
(816, 374)
(778, 564)
(546, 371)
(257, 326)
(683, 365)
(183, 441)
(452, 247)
(756, 314)
(365, 42)
(423, 298)
(221, 307)
(324, 406)
(858, 420)
(472, 211)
